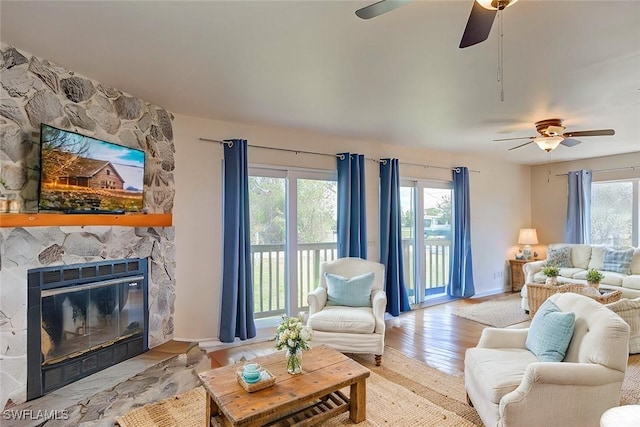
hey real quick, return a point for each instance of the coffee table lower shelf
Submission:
(311, 414)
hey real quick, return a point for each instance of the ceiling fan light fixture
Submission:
(548, 143)
(495, 4)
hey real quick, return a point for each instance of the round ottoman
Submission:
(621, 416)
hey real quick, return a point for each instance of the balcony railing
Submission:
(269, 272)
(436, 265)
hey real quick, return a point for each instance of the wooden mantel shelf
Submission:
(55, 220)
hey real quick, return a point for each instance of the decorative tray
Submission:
(266, 380)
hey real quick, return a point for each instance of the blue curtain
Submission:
(391, 237)
(352, 221)
(461, 273)
(236, 318)
(578, 226)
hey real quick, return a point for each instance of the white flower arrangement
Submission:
(293, 334)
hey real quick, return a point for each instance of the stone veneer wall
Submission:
(35, 91)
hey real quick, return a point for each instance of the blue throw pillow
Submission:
(618, 261)
(353, 292)
(550, 333)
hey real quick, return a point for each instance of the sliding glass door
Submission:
(426, 237)
(293, 230)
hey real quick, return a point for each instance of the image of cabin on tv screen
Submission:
(82, 173)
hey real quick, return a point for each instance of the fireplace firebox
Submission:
(84, 318)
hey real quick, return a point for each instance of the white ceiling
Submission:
(398, 78)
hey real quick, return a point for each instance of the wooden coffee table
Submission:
(306, 399)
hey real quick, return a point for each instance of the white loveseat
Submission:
(582, 258)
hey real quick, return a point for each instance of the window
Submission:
(614, 212)
(293, 216)
(426, 265)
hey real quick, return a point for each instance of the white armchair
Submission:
(509, 386)
(349, 329)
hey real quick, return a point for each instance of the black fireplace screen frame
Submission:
(42, 379)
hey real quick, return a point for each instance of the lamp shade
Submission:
(528, 236)
(495, 4)
(548, 143)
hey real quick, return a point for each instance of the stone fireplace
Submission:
(37, 91)
(83, 318)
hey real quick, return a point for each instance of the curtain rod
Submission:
(605, 170)
(340, 156)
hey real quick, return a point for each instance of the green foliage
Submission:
(594, 275)
(407, 219)
(267, 210)
(551, 270)
(316, 210)
(444, 206)
(317, 204)
(611, 213)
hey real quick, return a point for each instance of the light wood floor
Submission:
(432, 335)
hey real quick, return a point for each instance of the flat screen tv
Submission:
(81, 174)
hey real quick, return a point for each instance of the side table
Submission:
(517, 273)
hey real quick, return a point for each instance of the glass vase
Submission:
(294, 361)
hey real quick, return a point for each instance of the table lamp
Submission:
(527, 237)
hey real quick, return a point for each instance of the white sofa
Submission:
(509, 386)
(582, 258)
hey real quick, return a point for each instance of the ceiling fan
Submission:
(551, 135)
(478, 27)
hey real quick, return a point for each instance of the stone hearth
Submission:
(167, 370)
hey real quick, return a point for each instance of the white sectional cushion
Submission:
(611, 278)
(631, 282)
(635, 262)
(570, 272)
(357, 320)
(597, 257)
(580, 256)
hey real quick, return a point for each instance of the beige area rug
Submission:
(183, 410)
(499, 312)
(631, 386)
(401, 392)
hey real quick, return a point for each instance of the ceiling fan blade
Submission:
(514, 139)
(478, 26)
(521, 145)
(601, 132)
(379, 8)
(568, 142)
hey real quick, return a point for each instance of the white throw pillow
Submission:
(597, 257)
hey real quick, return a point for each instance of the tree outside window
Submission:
(612, 206)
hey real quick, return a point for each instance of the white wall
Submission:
(500, 205)
(549, 191)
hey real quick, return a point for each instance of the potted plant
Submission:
(552, 272)
(594, 277)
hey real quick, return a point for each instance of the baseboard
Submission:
(262, 335)
(491, 292)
